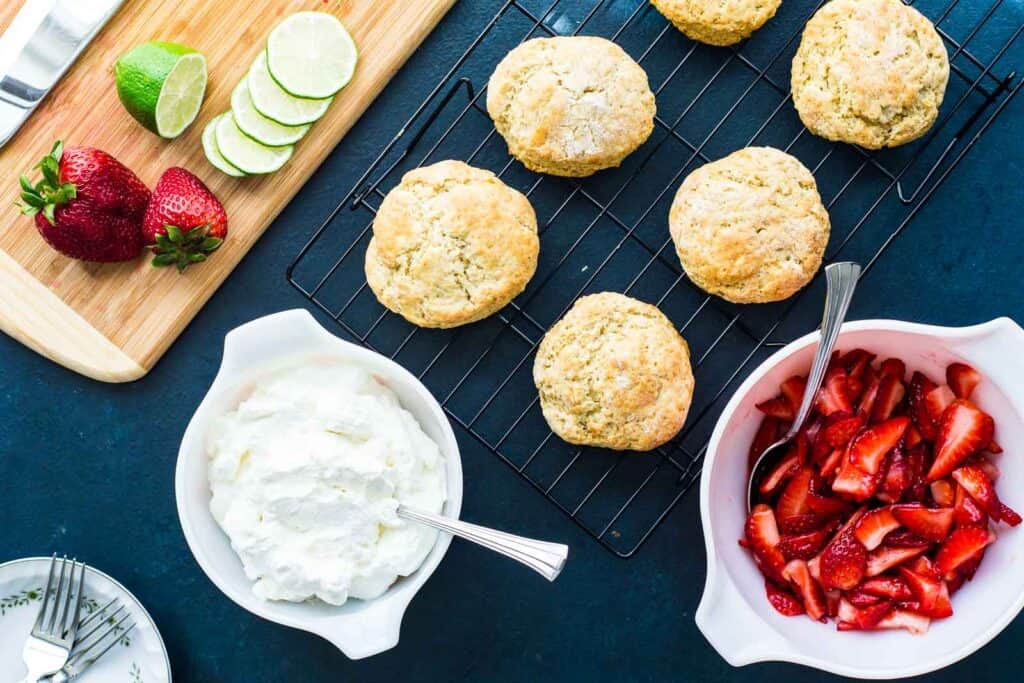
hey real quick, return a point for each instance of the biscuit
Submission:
(724, 22)
(614, 373)
(570, 106)
(451, 244)
(869, 72)
(751, 227)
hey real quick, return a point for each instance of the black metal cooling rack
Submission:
(609, 232)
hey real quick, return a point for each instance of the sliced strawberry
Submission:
(852, 482)
(866, 618)
(897, 477)
(834, 395)
(890, 392)
(867, 398)
(916, 469)
(990, 469)
(977, 484)
(793, 500)
(855, 360)
(832, 462)
(994, 447)
(929, 523)
(937, 400)
(860, 598)
(763, 537)
(905, 619)
(893, 367)
(782, 600)
(962, 379)
(906, 539)
(793, 390)
(767, 434)
(800, 524)
(886, 557)
(963, 430)
(912, 436)
(786, 468)
(807, 589)
(966, 512)
(943, 606)
(961, 545)
(826, 506)
(871, 445)
(806, 546)
(832, 598)
(843, 561)
(943, 492)
(920, 386)
(887, 587)
(778, 407)
(1008, 515)
(874, 526)
(839, 432)
(925, 588)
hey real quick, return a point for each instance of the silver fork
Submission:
(95, 640)
(53, 634)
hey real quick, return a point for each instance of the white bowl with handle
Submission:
(358, 628)
(734, 614)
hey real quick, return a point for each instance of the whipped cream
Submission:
(307, 474)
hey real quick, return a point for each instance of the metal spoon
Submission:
(841, 280)
(547, 559)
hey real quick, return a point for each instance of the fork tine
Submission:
(46, 594)
(119, 631)
(64, 603)
(57, 596)
(96, 615)
(83, 639)
(74, 615)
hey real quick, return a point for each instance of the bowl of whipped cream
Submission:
(291, 472)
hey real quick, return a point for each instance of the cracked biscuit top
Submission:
(614, 373)
(751, 227)
(451, 244)
(869, 72)
(570, 106)
(723, 22)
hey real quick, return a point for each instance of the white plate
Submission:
(141, 656)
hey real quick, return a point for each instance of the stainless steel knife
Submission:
(44, 39)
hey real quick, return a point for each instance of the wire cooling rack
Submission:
(609, 232)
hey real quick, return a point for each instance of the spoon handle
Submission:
(547, 559)
(841, 280)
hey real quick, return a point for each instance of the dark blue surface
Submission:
(87, 468)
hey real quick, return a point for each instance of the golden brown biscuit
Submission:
(723, 22)
(869, 72)
(614, 373)
(570, 106)
(451, 244)
(751, 227)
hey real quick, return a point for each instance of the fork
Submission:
(91, 646)
(53, 634)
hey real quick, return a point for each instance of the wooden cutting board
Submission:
(112, 322)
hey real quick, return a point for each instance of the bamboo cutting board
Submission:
(112, 322)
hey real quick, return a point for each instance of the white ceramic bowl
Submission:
(734, 614)
(358, 628)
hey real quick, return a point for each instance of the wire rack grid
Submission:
(609, 232)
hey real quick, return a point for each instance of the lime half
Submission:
(310, 54)
(162, 85)
(212, 152)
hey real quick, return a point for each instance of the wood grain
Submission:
(133, 308)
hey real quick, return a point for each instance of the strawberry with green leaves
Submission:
(184, 222)
(88, 205)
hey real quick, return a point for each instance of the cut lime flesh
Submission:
(270, 100)
(213, 154)
(259, 127)
(244, 153)
(310, 54)
(162, 85)
(182, 96)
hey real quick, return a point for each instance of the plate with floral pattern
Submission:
(140, 656)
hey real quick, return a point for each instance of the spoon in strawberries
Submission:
(841, 280)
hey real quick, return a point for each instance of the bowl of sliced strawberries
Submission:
(884, 542)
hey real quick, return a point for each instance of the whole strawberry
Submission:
(184, 222)
(88, 205)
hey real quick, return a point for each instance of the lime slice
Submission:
(277, 105)
(162, 85)
(213, 154)
(310, 54)
(258, 126)
(244, 153)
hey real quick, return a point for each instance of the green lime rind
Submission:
(244, 153)
(140, 75)
(277, 105)
(212, 152)
(311, 55)
(259, 127)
